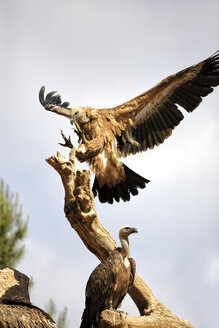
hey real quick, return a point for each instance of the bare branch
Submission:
(79, 206)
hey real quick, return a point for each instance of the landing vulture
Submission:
(135, 126)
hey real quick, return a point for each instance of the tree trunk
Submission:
(81, 214)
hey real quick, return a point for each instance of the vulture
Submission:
(146, 121)
(109, 282)
(18, 313)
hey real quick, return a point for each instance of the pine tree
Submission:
(61, 317)
(12, 227)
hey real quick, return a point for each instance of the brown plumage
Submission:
(135, 126)
(16, 313)
(109, 282)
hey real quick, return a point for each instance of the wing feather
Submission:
(15, 314)
(133, 271)
(100, 287)
(150, 118)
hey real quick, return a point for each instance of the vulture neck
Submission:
(125, 246)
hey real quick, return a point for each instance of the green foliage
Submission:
(51, 308)
(12, 228)
(61, 320)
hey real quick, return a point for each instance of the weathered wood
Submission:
(81, 214)
(13, 284)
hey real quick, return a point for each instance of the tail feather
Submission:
(134, 191)
(123, 190)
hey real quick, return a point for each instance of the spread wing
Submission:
(151, 117)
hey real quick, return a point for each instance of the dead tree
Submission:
(81, 213)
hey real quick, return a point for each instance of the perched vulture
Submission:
(109, 282)
(141, 123)
(17, 313)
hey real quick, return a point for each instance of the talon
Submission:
(68, 142)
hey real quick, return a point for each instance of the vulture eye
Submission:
(76, 113)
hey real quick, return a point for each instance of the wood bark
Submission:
(81, 213)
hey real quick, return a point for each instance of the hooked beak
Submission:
(134, 230)
(72, 119)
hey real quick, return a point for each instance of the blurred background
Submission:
(102, 53)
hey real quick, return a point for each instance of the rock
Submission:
(13, 285)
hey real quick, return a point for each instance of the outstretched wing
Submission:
(151, 117)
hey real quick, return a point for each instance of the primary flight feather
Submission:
(141, 123)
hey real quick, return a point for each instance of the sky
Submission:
(102, 53)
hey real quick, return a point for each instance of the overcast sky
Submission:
(103, 53)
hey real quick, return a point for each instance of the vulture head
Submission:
(79, 115)
(124, 232)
